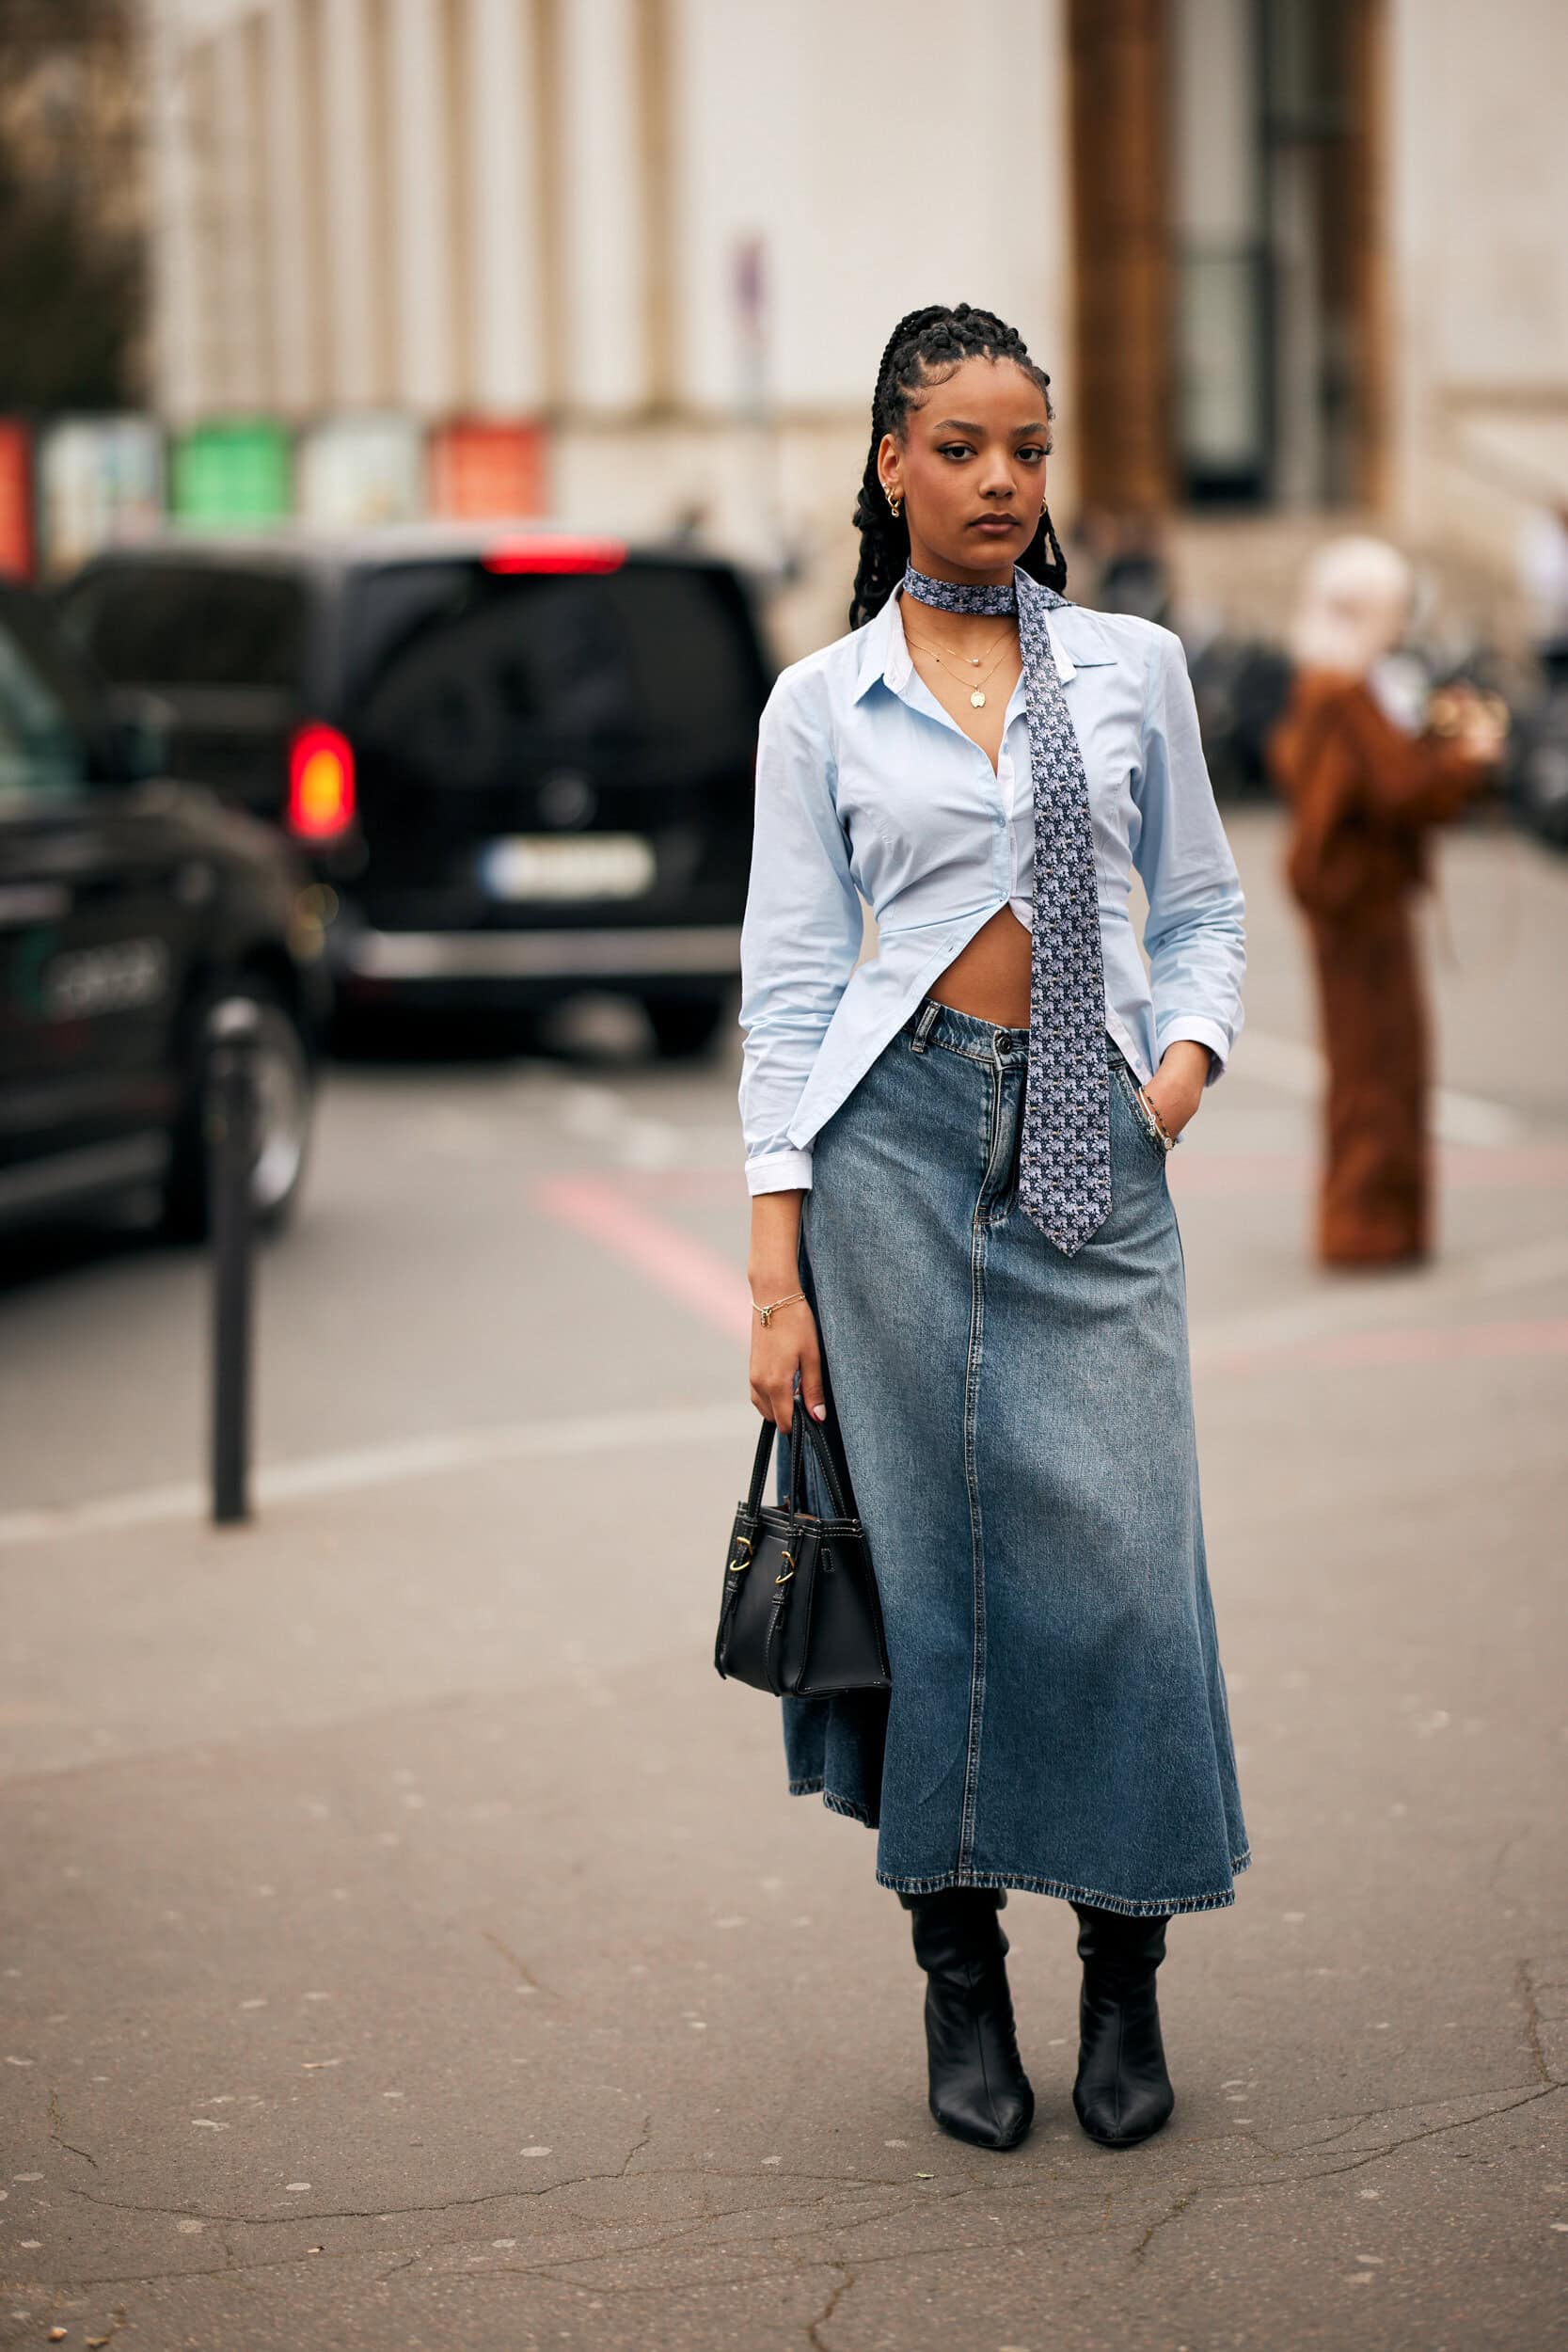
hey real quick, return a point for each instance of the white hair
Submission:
(1354, 604)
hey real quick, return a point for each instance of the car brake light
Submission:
(560, 554)
(321, 783)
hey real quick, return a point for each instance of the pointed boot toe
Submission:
(978, 2088)
(1120, 2118)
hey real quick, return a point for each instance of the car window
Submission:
(43, 752)
(166, 625)
(459, 671)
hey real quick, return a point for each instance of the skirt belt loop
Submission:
(929, 1012)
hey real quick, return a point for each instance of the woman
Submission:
(955, 1153)
(1366, 784)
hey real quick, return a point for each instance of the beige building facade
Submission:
(1291, 265)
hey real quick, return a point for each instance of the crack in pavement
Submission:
(1332, 2172)
(514, 1961)
(558, 2268)
(827, 2182)
(813, 2326)
(648, 2135)
(273, 2262)
(1173, 2213)
(1408, 2139)
(1525, 1981)
(352, 2213)
(57, 2134)
(781, 2261)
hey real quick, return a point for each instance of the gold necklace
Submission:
(977, 697)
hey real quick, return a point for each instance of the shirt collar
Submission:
(884, 651)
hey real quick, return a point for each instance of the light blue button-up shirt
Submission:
(867, 787)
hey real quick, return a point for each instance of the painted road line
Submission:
(1298, 1068)
(1336, 1328)
(1439, 1343)
(1349, 1305)
(732, 1422)
(707, 1282)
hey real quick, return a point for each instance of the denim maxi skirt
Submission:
(1016, 1427)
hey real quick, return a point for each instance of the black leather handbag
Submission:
(800, 1612)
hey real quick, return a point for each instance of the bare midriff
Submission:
(989, 975)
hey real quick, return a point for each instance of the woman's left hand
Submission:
(1177, 1087)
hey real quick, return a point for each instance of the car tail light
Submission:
(562, 554)
(321, 783)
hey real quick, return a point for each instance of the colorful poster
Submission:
(16, 499)
(360, 471)
(487, 469)
(236, 473)
(101, 479)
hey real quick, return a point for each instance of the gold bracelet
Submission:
(766, 1312)
(1153, 1112)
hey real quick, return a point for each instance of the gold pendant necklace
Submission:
(978, 699)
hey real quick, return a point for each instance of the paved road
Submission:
(408, 1942)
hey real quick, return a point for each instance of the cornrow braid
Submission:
(922, 341)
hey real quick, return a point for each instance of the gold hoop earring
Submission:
(893, 504)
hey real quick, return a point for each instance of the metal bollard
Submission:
(233, 1033)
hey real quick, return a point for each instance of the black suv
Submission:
(519, 758)
(129, 906)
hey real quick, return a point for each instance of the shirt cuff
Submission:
(1202, 1032)
(778, 1171)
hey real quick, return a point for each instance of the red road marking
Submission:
(1436, 1345)
(711, 1286)
(1457, 1169)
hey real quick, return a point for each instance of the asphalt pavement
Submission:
(406, 1941)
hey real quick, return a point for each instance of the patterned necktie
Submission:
(1064, 1153)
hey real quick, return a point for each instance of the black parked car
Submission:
(129, 906)
(522, 759)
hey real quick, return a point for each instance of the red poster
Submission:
(16, 499)
(480, 470)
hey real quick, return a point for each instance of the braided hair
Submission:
(921, 341)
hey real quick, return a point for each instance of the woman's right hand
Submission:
(788, 1344)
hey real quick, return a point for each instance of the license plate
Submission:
(568, 865)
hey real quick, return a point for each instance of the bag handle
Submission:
(759, 1468)
(804, 1431)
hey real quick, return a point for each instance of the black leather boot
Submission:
(1123, 2092)
(978, 2088)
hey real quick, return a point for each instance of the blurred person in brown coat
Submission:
(1367, 774)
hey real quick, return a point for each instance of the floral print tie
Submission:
(1065, 1150)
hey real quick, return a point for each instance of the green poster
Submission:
(232, 473)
